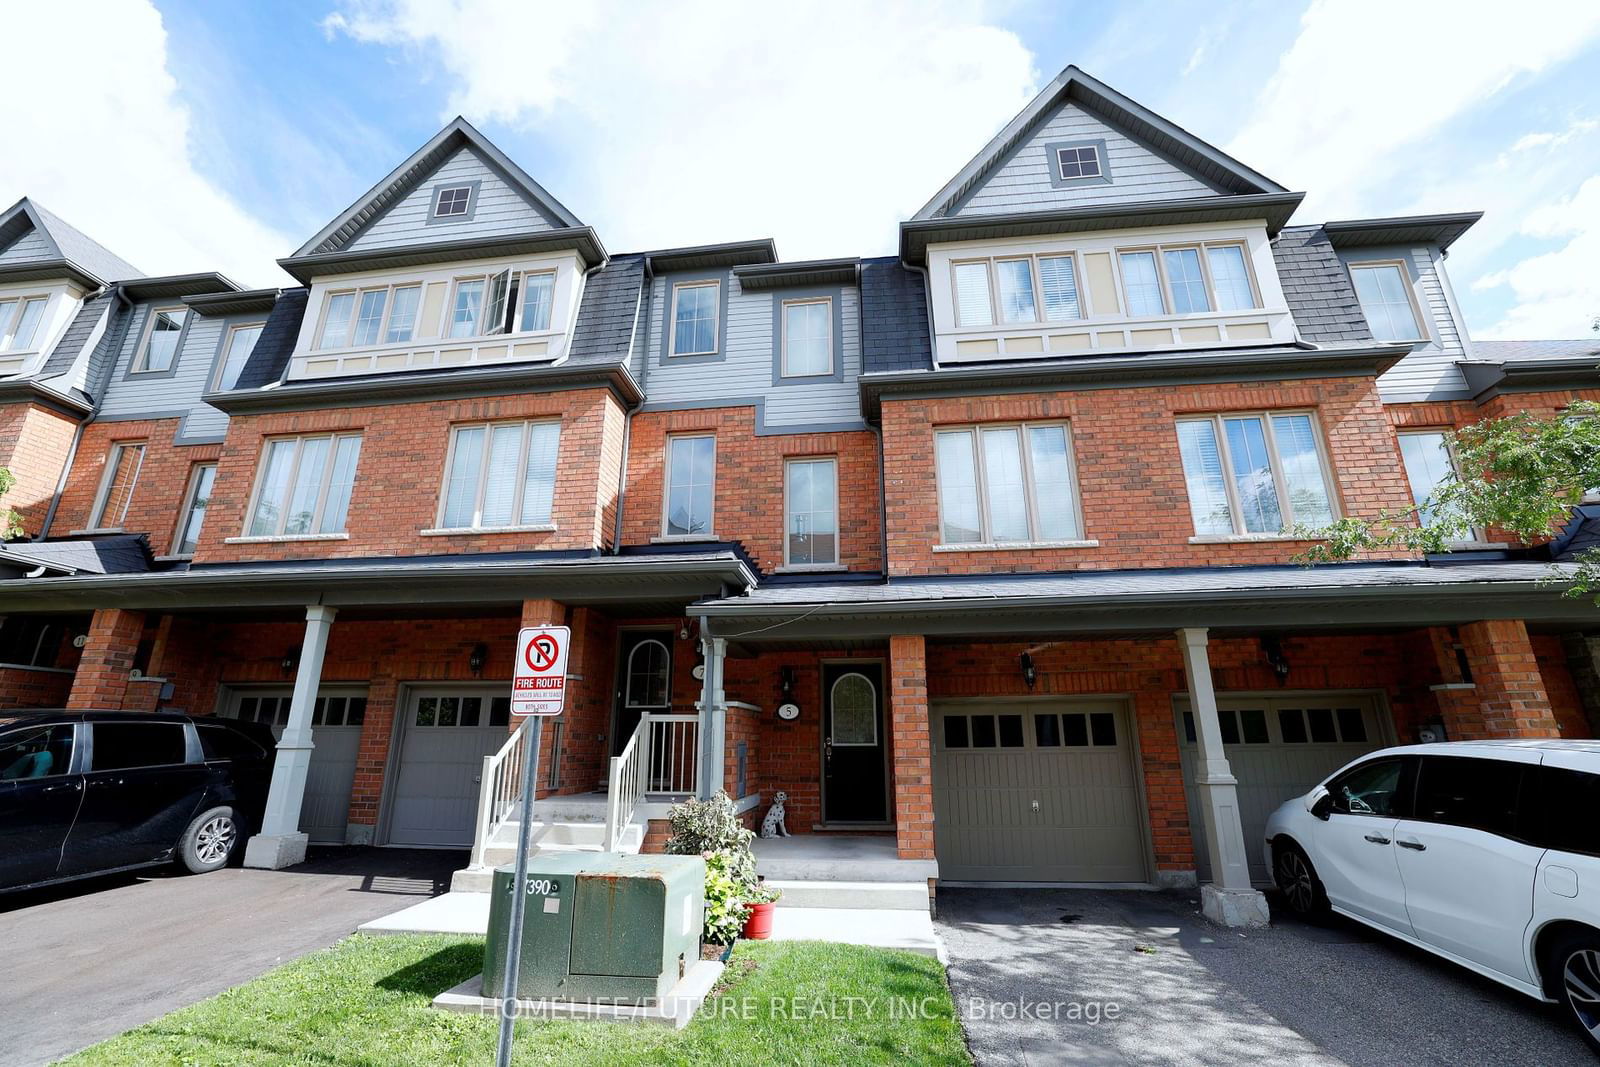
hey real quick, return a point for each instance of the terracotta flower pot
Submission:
(758, 924)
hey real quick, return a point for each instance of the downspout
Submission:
(642, 305)
(77, 433)
(927, 308)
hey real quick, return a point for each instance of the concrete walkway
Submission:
(1140, 977)
(88, 960)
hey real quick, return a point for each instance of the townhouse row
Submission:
(984, 550)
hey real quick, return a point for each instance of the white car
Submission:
(1484, 852)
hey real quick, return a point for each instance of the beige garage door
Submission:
(1033, 791)
(1278, 747)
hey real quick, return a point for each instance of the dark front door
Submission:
(139, 795)
(852, 743)
(644, 680)
(39, 798)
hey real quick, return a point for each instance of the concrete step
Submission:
(882, 896)
(564, 833)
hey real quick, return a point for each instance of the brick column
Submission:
(1163, 789)
(102, 678)
(913, 750)
(1510, 698)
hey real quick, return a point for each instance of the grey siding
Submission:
(744, 376)
(1023, 181)
(498, 209)
(169, 396)
(31, 247)
(1431, 371)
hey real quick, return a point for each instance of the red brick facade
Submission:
(158, 495)
(1130, 474)
(34, 444)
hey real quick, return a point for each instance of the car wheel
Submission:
(1298, 881)
(210, 841)
(1575, 967)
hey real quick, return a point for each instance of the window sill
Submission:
(683, 355)
(473, 531)
(175, 559)
(1475, 546)
(1014, 546)
(273, 539)
(96, 531)
(1245, 539)
(812, 568)
(678, 539)
(31, 667)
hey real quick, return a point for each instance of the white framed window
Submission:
(303, 486)
(538, 299)
(451, 201)
(500, 475)
(1230, 278)
(1260, 473)
(196, 499)
(1082, 161)
(691, 486)
(1021, 286)
(1006, 484)
(1186, 280)
(807, 337)
(1429, 464)
(695, 317)
(19, 322)
(381, 315)
(159, 345)
(811, 512)
(236, 349)
(123, 464)
(1388, 301)
(1141, 284)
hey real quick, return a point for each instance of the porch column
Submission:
(713, 717)
(1511, 697)
(280, 843)
(101, 681)
(1228, 898)
(913, 748)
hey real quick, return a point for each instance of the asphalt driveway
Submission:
(1131, 977)
(83, 962)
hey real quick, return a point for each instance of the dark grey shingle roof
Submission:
(894, 317)
(121, 554)
(1317, 288)
(1512, 351)
(77, 334)
(86, 252)
(606, 318)
(270, 356)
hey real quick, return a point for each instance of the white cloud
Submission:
(103, 142)
(709, 121)
(1358, 88)
(1557, 293)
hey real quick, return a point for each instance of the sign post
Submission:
(538, 690)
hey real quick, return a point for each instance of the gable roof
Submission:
(69, 250)
(459, 133)
(1182, 147)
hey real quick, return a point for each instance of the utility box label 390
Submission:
(539, 686)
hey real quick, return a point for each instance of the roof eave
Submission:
(842, 271)
(402, 387)
(51, 269)
(31, 390)
(704, 257)
(1491, 378)
(179, 286)
(1438, 229)
(582, 239)
(1274, 209)
(243, 302)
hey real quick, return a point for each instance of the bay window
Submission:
(500, 476)
(1254, 474)
(1006, 484)
(304, 486)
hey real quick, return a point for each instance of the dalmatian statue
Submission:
(772, 825)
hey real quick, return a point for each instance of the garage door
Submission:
(1036, 792)
(336, 720)
(1279, 747)
(444, 737)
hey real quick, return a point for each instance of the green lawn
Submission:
(365, 1001)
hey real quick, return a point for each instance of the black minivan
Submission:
(90, 792)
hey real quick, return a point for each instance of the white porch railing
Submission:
(661, 758)
(500, 789)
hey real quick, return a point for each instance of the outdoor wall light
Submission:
(1029, 675)
(786, 681)
(478, 657)
(291, 660)
(1275, 658)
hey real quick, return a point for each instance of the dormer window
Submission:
(161, 335)
(1082, 161)
(19, 320)
(452, 201)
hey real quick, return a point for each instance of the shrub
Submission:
(701, 826)
(726, 906)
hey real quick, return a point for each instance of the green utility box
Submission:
(599, 924)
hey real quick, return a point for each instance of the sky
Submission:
(194, 135)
